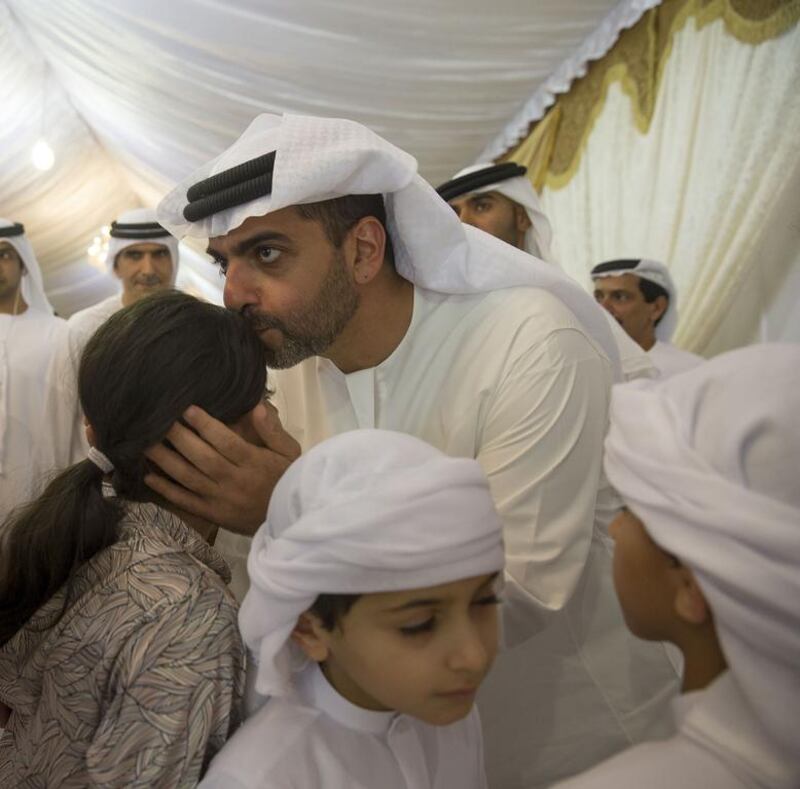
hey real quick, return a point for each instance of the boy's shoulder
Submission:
(271, 738)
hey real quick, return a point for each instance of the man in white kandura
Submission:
(708, 557)
(641, 296)
(500, 200)
(380, 309)
(375, 576)
(143, 256)
(28, 334)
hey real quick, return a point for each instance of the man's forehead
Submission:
(617, 282)
(145, 247)
(457, 202)
(281, 222)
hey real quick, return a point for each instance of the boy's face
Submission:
(646, 579)
(422, 652)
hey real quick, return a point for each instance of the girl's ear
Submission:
(690, 604)
(311, 637)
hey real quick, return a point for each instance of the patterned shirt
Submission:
(140, 682)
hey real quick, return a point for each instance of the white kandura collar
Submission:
(314, 689)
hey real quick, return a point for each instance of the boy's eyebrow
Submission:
(423, 603)
(429, 601)
(248, 243)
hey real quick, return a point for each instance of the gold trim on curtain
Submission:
(553, 147)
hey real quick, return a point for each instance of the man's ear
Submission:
(311, 637)
(658, 307)
(690, 603)
(367, 244)
(91, 436)
(523, 221)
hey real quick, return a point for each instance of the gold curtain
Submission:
(552, 149)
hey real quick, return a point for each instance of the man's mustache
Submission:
(147, 281)
(261, 321)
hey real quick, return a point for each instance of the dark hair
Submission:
(332, 608)
(651, 291)
(139, 372)
(338, 215)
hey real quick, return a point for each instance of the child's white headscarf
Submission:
(708, 459)
(320, 159)
(365, 511)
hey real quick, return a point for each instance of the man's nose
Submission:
(468, 217)
(605, 302)
(239, 288)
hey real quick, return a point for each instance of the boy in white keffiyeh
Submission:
(708, 557)
(376, 567)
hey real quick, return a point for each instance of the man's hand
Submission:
(222, 477)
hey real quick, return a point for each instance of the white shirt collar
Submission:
(314, 690)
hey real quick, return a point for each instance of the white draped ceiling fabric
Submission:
(712, 189)
(134, 94)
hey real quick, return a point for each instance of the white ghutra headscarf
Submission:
(708, 460)
(318, 159)
(365, 511)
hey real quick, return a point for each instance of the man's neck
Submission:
(379, 325)
(648, 341)
(13, 305)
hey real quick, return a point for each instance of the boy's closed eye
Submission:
(428, 623)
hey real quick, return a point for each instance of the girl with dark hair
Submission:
(120, 658)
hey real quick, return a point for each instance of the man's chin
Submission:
(286, 355)
(148, 289)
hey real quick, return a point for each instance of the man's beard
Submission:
(312, 331)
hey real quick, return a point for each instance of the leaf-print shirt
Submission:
(140, 682)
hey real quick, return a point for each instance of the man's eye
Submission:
(489, 599)
(267, 254)
(223, 266)
(483, 205)
(422, 627)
